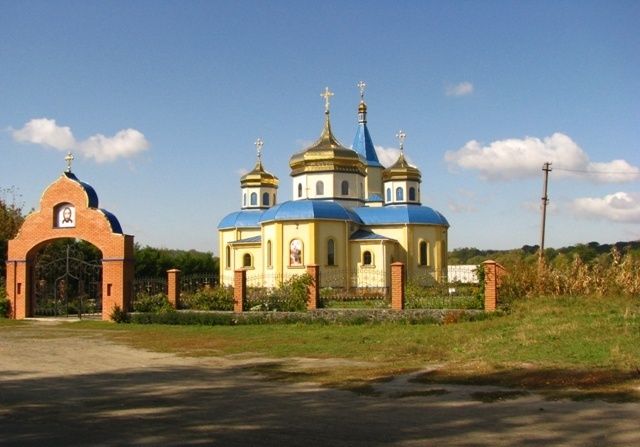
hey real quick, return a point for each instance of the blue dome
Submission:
(241, 219)
(88, 189)
(400, 214)
(308, 210)
(113, 221)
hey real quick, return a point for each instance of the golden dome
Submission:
(259, 177)
(401, 170)
(326, 154)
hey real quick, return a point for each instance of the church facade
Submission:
(349, 215)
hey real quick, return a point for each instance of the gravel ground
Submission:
(58, 387)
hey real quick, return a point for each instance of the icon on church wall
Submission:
(295, 252)
(66, 217)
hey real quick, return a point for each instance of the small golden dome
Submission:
(401, 170)
(259, 177)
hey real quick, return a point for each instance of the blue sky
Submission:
(161, 102)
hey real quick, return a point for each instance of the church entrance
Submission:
(67, 279)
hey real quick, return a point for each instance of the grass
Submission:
(580, 346)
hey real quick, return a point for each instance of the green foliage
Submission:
(217, 298)
(5, 304)
(154, 262)
(151, 303)
(291, 296)
(443, 296)
(11, 218)
(119, 315)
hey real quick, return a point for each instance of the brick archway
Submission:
(69, 209)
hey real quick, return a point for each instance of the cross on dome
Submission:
(361, 85)
(327, 94)
(401, 136)
(259, 143)
(69, 159)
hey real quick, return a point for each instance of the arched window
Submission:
(319, 188)
(399, 194)
(254, 199)
(269, 254)
(228, 256)
(246, 260)
(244, 199)
(367, 259)
(412, 194)
(422, 253)
(331, 252)
(344, 188)
(388, 194)
(299, 189)
(265, 199)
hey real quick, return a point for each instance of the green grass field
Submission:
(585, 345)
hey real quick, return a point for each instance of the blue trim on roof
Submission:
(88, 189)
(248, 240)
(363, 144)
(241, 219)
(362, 235)
(375, 198)
(113, 221)
(308, 209)
(400, 214)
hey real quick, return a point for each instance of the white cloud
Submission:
(461, 89)
(45, 132)
(618, 207)
(389, 155)
(517, 158)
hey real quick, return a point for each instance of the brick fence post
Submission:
(173, 287)
(493, 273)
(239, 290)
(397, 286)
(313, 289)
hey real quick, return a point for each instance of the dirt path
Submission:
(58, 388)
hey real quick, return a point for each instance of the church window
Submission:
(388, 194)
(319, 188)
(367, 259)
(269, 254)
(299, 189)
(344, 188)
(422, 253)
(265, 199)
(331, 252)
(399, 194)
(228, 256)
(254, 198)
(246, 260)
(412, 194)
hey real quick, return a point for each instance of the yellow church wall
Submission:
(225, 237)
(332, 275)
(374, 274)
(301, 231)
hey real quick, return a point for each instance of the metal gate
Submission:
(71, 284)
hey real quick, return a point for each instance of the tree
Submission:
(11, 218)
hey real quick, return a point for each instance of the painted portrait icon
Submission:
(295, 252)
(66, 216)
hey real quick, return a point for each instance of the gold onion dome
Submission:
(401, 170)
(326, 154)
(258, 177)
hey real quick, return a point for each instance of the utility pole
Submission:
(546, 168)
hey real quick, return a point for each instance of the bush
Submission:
(119, 315)
(151, 303)
(218, 298)
(291, 296)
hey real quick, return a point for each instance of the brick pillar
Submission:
(173, 287)
(313, 289)
(117, 277)
(16, 285)
(239, 290)
(397, 286)
(493, 273)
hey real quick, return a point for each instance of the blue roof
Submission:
(309, 209)
(241, 219)
(113, 221)
(249, 240)
(361, 235)
(91, 193)
(400, 214)
(364, 146)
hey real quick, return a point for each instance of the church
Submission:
(349, 215)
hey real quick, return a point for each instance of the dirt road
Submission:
(61, 388)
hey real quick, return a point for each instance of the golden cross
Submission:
(69, 160)
(401, 136)
(259, 143)
(327, 94)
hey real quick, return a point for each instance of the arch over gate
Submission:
(69, 209)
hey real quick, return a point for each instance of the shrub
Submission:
(119, 315)
(291, 296)
(219, 298)
(151, 303)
